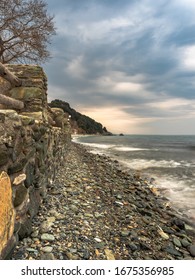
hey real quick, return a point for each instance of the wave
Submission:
(144, 164)
(128, 149)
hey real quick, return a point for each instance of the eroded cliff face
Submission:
(33, 145)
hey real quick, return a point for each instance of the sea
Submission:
(169, 159)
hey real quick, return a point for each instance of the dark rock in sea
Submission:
(121, 134)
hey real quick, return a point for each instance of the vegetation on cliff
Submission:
(80, 123)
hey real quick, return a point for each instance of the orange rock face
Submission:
(7, 213)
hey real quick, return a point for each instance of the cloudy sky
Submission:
(130, 64)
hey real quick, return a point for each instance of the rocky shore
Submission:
(95, 211)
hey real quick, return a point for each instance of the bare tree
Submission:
(25, 31)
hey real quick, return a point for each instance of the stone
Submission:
(7, 212)
(163, 234)
(88, 215)
(26, 93)
(34, 115)
(27, 120)
(118, 203)
(47, 256)
(177, 242)
(35, 234)
(47, 249)
(47, 237)
(19, 179)
(97, 239)
(185, 243)
(125, 233)
(109, 254)
(192, 250)
(20, 195)
(133, 246)
(31, 250)
(46, 226)
(25, 228)
(17, 166)
(4, 157)
(74, 208)
(99, 245)
(172, 251)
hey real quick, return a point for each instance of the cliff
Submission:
(80, 123)
(33, 144)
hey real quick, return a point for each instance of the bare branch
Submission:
(25, 30)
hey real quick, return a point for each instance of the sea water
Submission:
(170, 160)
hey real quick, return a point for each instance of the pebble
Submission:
(125, 233)
(47, 237)
(93, 211)
(163, 234)
(172, 251)
(177, 242)
(185, 243)
(47, 249)
(192, 250)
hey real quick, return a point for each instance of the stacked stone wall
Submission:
(33, 145)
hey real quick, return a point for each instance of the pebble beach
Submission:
(96, 211)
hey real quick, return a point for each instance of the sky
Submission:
(129, 64)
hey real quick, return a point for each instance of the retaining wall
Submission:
(33, 145)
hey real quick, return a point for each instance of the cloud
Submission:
(132, 57)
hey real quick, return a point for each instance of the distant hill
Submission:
(80, 123)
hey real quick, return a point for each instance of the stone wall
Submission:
(33, 145)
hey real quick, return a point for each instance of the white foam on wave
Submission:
(128, 149)
(95, 146)
(100, 146)
(143, 163)
(180, 194)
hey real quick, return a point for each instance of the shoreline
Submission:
(161, 180)
(96, 211)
